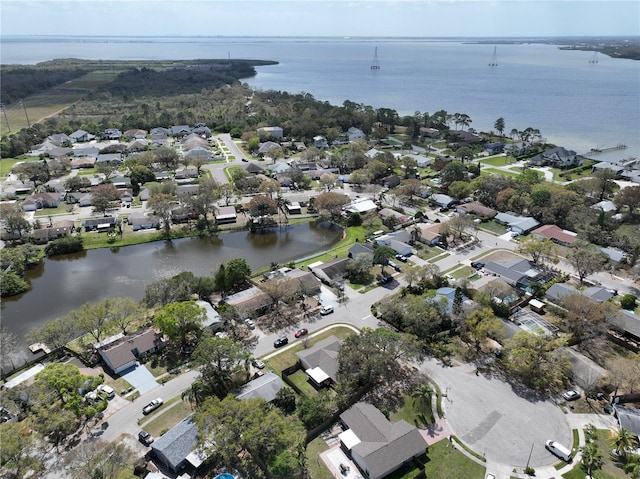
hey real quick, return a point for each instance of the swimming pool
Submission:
(225, 475)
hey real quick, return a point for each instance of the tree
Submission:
(11, 284)
(331, 203)
(36, 171)
(382, 255)
(94, 319)
(359, 269)
(586, 318)
(97, 459)
(629, 197)
(592, 458)
(261, 206)
(20, 455)
(628, 301)
(270, 187)
(167, 157)
(499, 125)
(586, 259)
(458, 226)
(371, 360)
(203, 202)
(63, 379)
(481, 325)
(453, 171)
(104, 197)
(107, 168)
(77, 183)
(56, 333)
(178, 320)
(162, 204)
(328, 181)
(540, 250)
(246, 433)
(13, 220)
(313, 410)
(279, 290)
(410, 166)
(422, 397)
(139, 175)
(410, 188)
(237, 272)
(464, 153)
(123, 312)
(285, 400)
(227, 193)
(223, 364)
(460, 189)
(535, 360)
(623, 440)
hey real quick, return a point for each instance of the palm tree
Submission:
(422, 396)
(281, 203)
(592, 457)
(632, 467)
(623, 441)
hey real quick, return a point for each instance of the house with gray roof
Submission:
(81, 136)
(180, 130)
(273, 131)
(516, 223)
(629, 418)
(177, 448)
(558, 291)
(557, 157)
(143, 222)
(123, 354)
(226, 215)
(626, 329)
(264, 387)
(378, 446)
(109, 158)
(331, 272)
(320, 361)
(267, 146)
(517, 272)
(359, 248)
(443, 201)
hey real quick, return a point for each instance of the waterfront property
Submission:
(121, 352)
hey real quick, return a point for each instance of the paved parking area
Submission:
(494, 419)
(140, 378)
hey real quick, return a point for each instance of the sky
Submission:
(379, 18)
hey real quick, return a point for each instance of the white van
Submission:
(558, 450)
(107, 391)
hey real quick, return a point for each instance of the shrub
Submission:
(628, 301)
(64, 246)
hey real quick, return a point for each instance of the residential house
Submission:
(138, 145)
(398, 241)
(135, 133)
(299, 280)
(81, 136)
(125, 352)
(516, 149)
(113, 159)
(265, 387)
(331, 272)
(386, 213)
(254, 169)
(557, 157)
(83, 162)
(516, 223)
(160, 131)
(359, 248)
(628, 418)
(177, 449)
(250, 302)
(518, 272)
(614, 255)
(429, 132)
(476, 208)
(429, 233)
(213, 320)
(320, 142)
(378, 446)
(267, 146)
(121, 181)
(391, 181)
(294, 208)
(447, 295)
(606, 206)
(42, 200)
(58, 153)
(465, 138)
(60, 139)
(559, 291)
(320, 361)
(373, 152)
(111, 134)
(143, 222)
(494, 148)
(192, 140)
(442, 201)
(363, 205)
(58, 230)
(272, 131)
(201, 130)
(187, 172)
(180, 130)
(555, 234)
(86, 150)
(625, 330)
(100, 224)
(11, 188)
(617, 170)
(159, 140)
(354, 134)
(226, 215)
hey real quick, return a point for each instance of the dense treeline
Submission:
(181, 80)
(17, 83)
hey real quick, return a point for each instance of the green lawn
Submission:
(463, 272)
(300, 379)
(7, 163)
(317, 469)
(500, 172)
(62, 209)
(342, 248)
(445, 462)
(428, 252)
(411, 413)
(168, 419)
(610, 470)
(494, 228)
(498, 161)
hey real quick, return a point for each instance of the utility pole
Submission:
(529, 459)
(25, 113)
(4, 111)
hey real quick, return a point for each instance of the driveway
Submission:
(494, 419)
(140, 378)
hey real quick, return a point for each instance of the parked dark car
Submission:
(278, 343)
(145, 438)
(477, 264)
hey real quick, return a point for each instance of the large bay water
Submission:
(574, 103)
(64, 283)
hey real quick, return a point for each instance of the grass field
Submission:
(498, 161)
(7, 163)
(317, 469)
(411, 413)
(500, 172)
(446, 462)
(168, 419)
(36, 108)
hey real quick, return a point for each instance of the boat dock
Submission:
(597, 150)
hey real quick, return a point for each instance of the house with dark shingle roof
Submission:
(81, 136)
(332, 271)
(476, 208)
(265, 387)
(557, 157)
(516, 223)
(378, 446)
(177, 448)
(123, 354)
(320, 361)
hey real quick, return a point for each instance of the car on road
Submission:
(301, 332)
(326, 310)
(490, 476)
(571, 395)
(152, 406)
(402, 257)
(258, 364)
(477, 264)
(250, 324)
(558, 450)
(145, 438)
(395, 266)
(278, 343)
